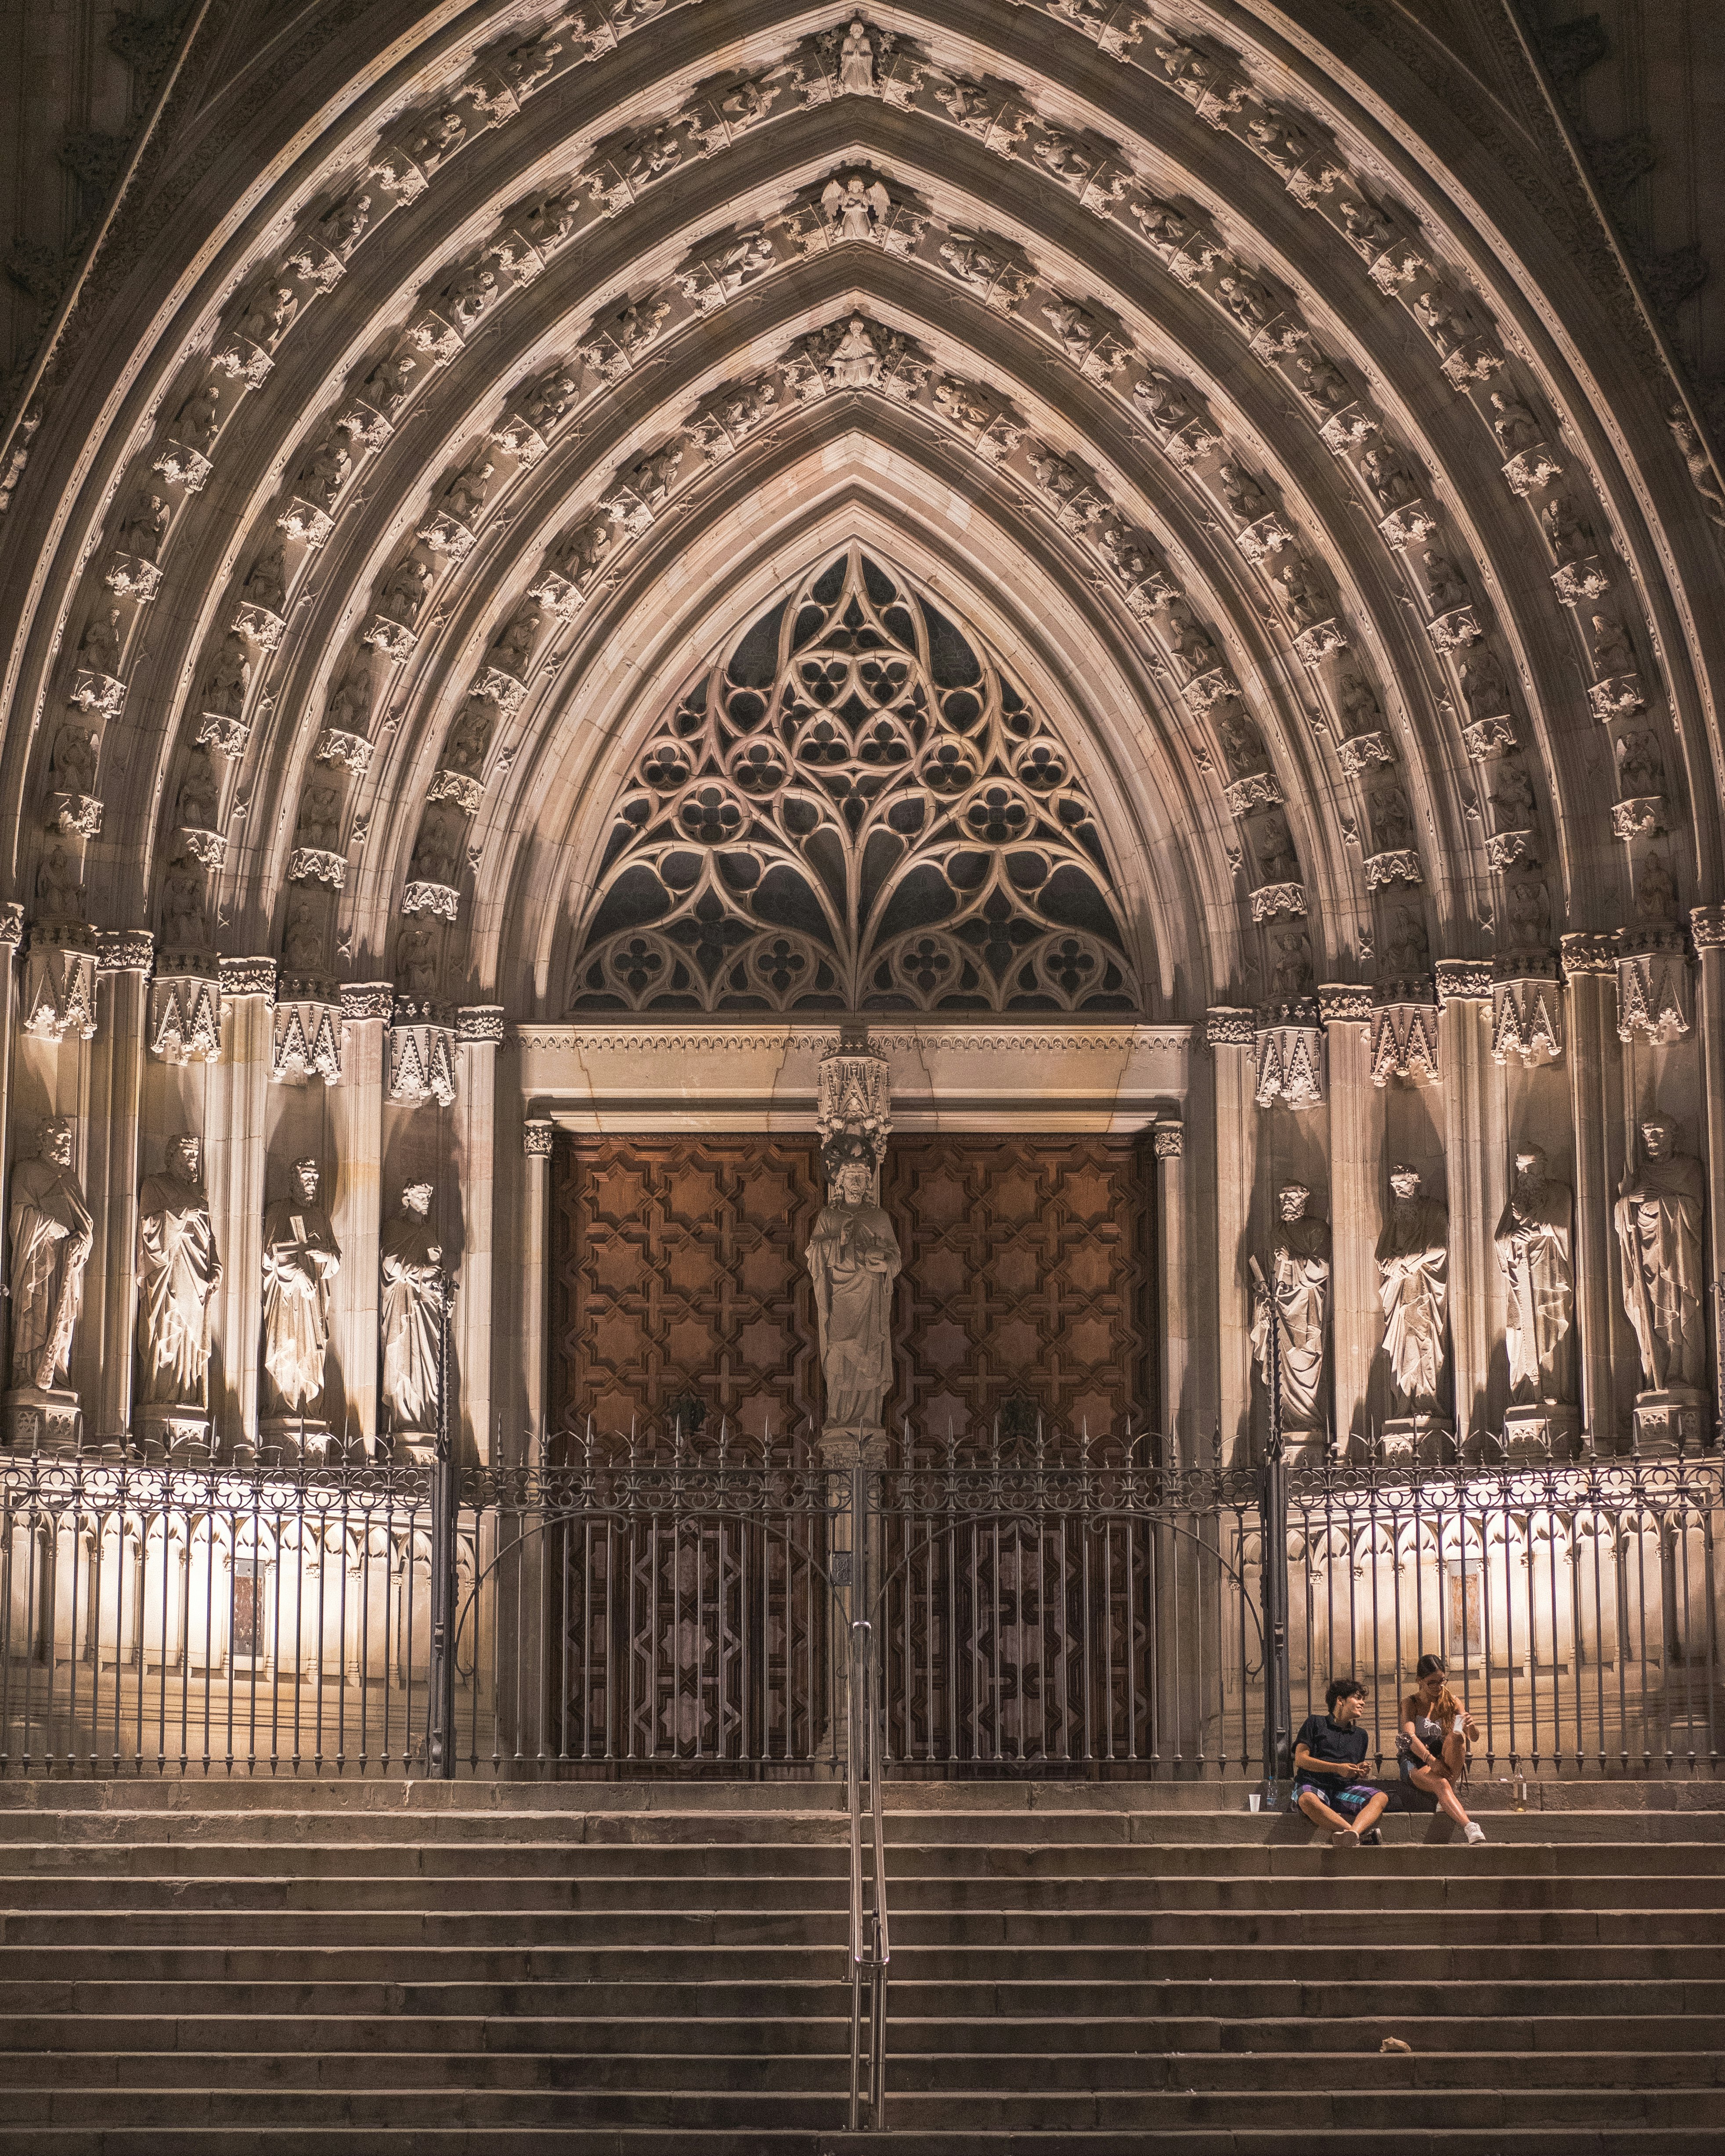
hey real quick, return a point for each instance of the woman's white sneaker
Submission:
(1475, 1832)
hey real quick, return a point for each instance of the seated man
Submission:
(1328, 1752)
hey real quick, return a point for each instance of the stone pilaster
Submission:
(355, 1114)
(1356, 1204)
(1708, 926)
(1169, 1139)
(1475, 1145)
(103, 1358)
(234, 1152)
(1229, 1034)
(536, 1228)
(1596, 1097)
(12, 935)
(478, 1034)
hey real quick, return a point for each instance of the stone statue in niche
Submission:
(1414, 1287)
(1534, 1251)
(853, 1257)
(179, 1270)
(1659, 1220)
(301, 1257)
(52, 1229)
(857, 62)
(1299, 1287)
(417, 1290)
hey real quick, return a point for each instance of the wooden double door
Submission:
(679, 1291)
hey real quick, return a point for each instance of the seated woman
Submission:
(1433, 1743)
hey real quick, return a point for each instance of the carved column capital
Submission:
(1707, 924)
(1225, 1026)
(126, 950)
(1463, 980)
(1584, 953)
(479, 1024)
(11, 923)
(248, 977)
(366, 999)
(1341, 1003)
(1169, 1140)
(536, 1138)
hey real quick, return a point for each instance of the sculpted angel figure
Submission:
(178, 1271)
(854, 205)
(853, 1257)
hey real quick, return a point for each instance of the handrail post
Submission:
(440, 1687)
(1273, 1544)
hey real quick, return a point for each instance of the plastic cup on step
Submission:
(1254, 1802)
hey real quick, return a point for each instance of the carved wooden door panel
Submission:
(678, 1277)
(1028, 1284)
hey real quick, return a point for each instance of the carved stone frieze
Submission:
(1227, 1027)
(1706, 926)
(125, 949)
(438, 898)
(317, 865)
(1527, 1013)
(1656, 994)
(1463, 980)
(228, 737)
(1258, 789)
(1169, 1141)
(248, 977)
(344, 751)
(305, 1037)
(1585, 953)
(59, 994)
(1270, 900)
(536, 1138)
(460, 787)
(1289, 1055)
(1398, 865)
(480, 1026)
(1362, 755)
(1344, 1003)
(1488, 738)
(366, 999)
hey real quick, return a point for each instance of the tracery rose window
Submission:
(855, 809)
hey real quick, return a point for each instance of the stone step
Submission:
(1354, 1889)
(1001, 2038)
(1486, 2140)
(775, 1921)
(1383, 2111)
(824, 2071)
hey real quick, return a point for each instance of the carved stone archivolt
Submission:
(856, 808)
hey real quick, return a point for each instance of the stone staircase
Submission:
(390, 1967)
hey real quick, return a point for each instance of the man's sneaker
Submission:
(1475, 1832)
(1344, 1837)
(1373, 1838)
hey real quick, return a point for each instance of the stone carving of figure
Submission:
(178, 1271)
(853, 206)
(1298, 1284)
(1613, 652)
(1412, 1286)
(301, 1258)
(99, 648)
(857, 62)
(229, 678)
(1658, 1217)
(144, 526)
(1533, 1249)
(856, 360)
(185, 923)
(302, 935)
(415, 963)
(52, 1229)
(75, 758)
(59, 896)
(200, 417)
(853, 1257)
(417, 1294)
(266, 586)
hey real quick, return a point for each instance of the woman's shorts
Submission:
(1348, 1802)
(1408, 1763)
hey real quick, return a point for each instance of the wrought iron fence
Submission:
(668, 1606)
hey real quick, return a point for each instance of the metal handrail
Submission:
(870, 1946)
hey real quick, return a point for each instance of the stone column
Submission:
(356, 1108)
(1229, 1034)
(479, 1033)
(104, 1360)
(12, 935)
(1478, 1176)
(1356, 1207)
(234, 1154)
(529, 1389)
(1175, 1286)
(1595, 1057)
(1708, 925)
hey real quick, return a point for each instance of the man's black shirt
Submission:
(1325, 1739)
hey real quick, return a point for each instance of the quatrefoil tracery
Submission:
(855, 809)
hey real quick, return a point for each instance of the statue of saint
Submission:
(1414, 1286)
(301, 1257)
(853, 1257)
(179, 1270)
(417, 1293)
(1533, 1249)
(856, 63)
(52, 1231)
(1300, 1283)
(1659, 1232)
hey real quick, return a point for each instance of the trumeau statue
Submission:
(853, 1257)
(1533, 1249)
(301, 1258)
(1413, 1284)
(52, 1230)
(417, 1293)
(1658, 1217)
(178, 1271)
(1300, 1282)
